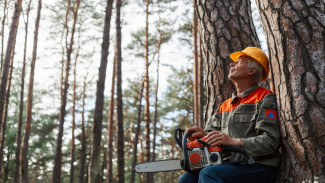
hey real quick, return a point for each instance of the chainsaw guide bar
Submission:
(158, 166)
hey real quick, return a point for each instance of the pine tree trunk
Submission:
(6, 63)
(146, 86)
(56, 177)
(5, 111)
(23, 170)
(21, 102)
(295, 36)
(72, 146)
(195, 70)
(111, 127)
(2, 32)
(226, 27)
(83, 136)
(137, 133)
(94, 165)
(120, 137)
(200, 84)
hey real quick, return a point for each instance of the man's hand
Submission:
(196, 132)
(217, 138)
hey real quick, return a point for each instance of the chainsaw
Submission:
(195, 155)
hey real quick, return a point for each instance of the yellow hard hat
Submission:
(255, 53)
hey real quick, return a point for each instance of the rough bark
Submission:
(6, 64)
(94, 169)
(120, 130)
(137, 133)
(21, 101)
(200, 84)
(56, 176)
(295, 32)
(226, 27)
(111, 128)
(23, 170)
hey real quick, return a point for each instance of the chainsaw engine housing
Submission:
(201, 157)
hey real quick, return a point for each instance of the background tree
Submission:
(226, 27)
(295, 38)
(6, 64)
(94, 164)
(23, 170)
(119, 100)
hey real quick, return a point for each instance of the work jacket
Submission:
(252, 116)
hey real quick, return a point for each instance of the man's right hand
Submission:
(196, 132)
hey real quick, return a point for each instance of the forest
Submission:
(90, 88)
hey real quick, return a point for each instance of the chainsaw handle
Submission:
(185, 164)
(178, 135)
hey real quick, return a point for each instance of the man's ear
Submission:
(252, 71)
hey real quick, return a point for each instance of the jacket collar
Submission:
(243, 94)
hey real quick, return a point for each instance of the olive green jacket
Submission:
(252, 116)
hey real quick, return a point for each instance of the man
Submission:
(247, 120)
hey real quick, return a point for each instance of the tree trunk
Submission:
(200, 85)
(120, 137)
(226, 27)
(23, 170)
(56, 177)
(146, 86)
(111, 127)
(295, 36)
(94, 165)
(195, 70)
(83, 136)
(21, 102)
(2, 31)
(6, 63)
(5, 112)
(137, 133)
(72, 146)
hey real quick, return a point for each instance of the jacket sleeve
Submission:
(267, 140)
(213, 123)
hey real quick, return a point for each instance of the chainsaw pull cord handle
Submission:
(184, 147)
(178, 135)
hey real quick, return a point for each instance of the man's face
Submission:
(239, 69)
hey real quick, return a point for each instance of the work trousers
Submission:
(231, 173)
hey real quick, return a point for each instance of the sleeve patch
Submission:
(271, 114)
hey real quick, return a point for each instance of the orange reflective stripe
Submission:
(255, 97)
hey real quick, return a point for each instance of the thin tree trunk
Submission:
(156, 101)
(137, 133)
(94, 165)
(200, 83)
(23, 170)
(21, 101)
(111, 128)
(72, 148)
(295, 37)
(3, 31)
(195, 69)
(83, 136)
(56, 177)
(6, 63)
(146, 86)
(120, 137)
(226, 27)
(5, 111)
